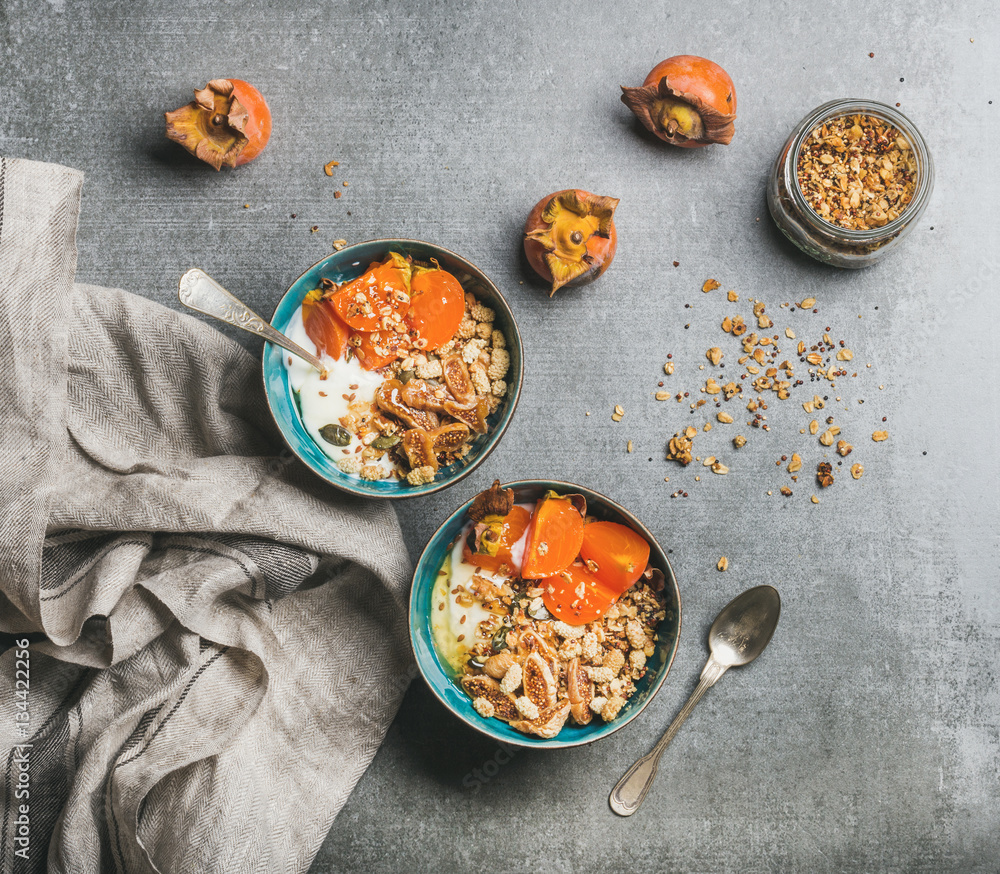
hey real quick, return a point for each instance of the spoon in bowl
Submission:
(739, 634)
(199, 292)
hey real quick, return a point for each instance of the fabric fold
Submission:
(220, 637)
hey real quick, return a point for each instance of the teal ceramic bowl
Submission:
(444, 683)
(347, 264)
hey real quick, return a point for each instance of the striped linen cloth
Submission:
(218, 639)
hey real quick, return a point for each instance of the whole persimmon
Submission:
(570, 237)
(686, 101)
(227, 124)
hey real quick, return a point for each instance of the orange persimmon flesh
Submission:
(377, 349)
(359, 302)
(615, 554)
(437, 306)
(577, 596)
(514, 525)
(554, 538)
(324, 327)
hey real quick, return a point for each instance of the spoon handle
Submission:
(630, 791)
(199, 292)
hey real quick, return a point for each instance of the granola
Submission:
(394, 403)
(518, 661)
(857, 171)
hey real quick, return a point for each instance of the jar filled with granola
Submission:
(850, 182)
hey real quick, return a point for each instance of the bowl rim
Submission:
(494, 438)
(480, 724)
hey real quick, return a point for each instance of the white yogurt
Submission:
(325, 401)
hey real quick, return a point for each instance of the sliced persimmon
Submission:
(324, 327)
(514, 525)
(554, 537)
(614, 553)
(362, 302)
(576, 596)
(376, 349)
(437, 306)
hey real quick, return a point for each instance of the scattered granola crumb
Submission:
(824, 474)
(857, 470)
(710, 285)
(339, 244)
(723, 564)
(879, 436)
(328, 168)
(628, 446)
(814, 499)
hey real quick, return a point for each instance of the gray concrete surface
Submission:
(866, 738)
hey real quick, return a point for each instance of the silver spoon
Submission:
(199, 292)
(738, 635)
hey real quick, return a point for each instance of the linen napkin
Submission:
(221, 638)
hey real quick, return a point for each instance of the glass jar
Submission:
(822, 239)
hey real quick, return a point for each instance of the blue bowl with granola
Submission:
(535, 656)
(424, 368)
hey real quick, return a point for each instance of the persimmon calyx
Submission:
(212, 127)
(493, 505)
(488, 511)
(570, 222)
(678, 116)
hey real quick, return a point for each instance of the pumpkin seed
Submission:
(406, 375)
(335, 434)
(499, 640)
(386, 441)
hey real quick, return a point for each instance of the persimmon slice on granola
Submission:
(437, 306)
(379, 293)
(577, 596)
(614, 553)
(554, 537)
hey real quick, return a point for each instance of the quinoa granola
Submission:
(537, 673)
(857, 171)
